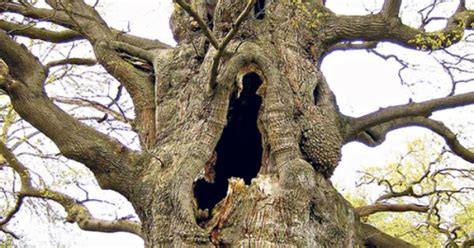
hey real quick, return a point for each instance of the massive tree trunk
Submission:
(239, 129)
(245, 161)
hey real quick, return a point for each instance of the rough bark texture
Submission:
(199, 88)
(291, 202)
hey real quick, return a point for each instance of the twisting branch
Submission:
(412, 109)
(202, 24)
(449, 137)
(16, 165)
(219, 46)
(405, 184)
(56, 17)
(372, 128)
(61, 18)
(138, 83)
(387, 26)
(462, 63)
(76, 211)
(375, 135)
(25, 180)
(40, 33)
(403, 187)
(223, 45)
(76, 141)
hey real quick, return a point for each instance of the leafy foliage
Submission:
(427, 175)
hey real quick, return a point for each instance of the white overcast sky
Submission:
(362, 83)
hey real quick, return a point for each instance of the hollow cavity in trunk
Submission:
(239, 150)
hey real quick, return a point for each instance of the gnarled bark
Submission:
(231, 65)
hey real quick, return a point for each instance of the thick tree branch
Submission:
(40, 33)
(111, 161)
(133, 50)
(448, 136)
(60, 17)
(372, 128)
(138, 83)
(56, 17)
(346, 46)
(143, 43)
(391, 8)
(82, 18)
(387, 26)
(425, 109)
(375, 135)
(385, 207)
(77, 212)
(376, 238)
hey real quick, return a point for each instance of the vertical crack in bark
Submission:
(238, 152)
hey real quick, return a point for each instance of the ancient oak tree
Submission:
(239, 132)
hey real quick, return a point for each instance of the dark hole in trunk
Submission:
(239, 151)
(316, 94)
(259, 9)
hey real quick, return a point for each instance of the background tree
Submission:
(250, 67)
(430, 191)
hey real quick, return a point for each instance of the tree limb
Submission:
(376, 238)
(412, 109)
(72, 61)
(387, 26)
(219, 46)
(40, 33)
(202, 24)
(138, 83)
(56, 17)
(223, 45)
(346, 46)
(110, 161)
(357, 125)
(391, 8)
(133, 50)
(77, 212)
(385, 207)
(375, 135)
(95, 105)
(59, 17)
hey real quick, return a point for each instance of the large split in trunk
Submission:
(239, 150)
